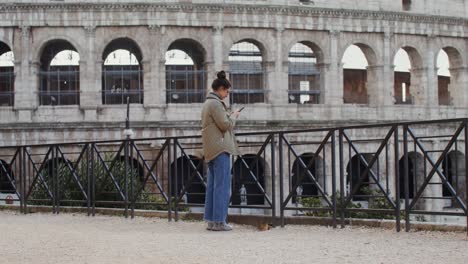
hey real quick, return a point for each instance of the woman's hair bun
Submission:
(221, 75)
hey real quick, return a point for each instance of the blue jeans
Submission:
(218, 188)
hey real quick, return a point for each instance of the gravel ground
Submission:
(75, 238)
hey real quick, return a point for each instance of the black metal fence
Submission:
(412, 171)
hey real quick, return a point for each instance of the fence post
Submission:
(169, 181)
(466, 180)
(281, 180)
(88, 180)
(342, 180)
(126, 176)
(406, 177)
(93, 181)
(176, 187)
(134, 173)
(333, 154)
(273, 181)
(397, 179)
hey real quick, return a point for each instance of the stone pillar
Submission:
(418, 86)
(432, 91)
(159, 69)
(212, 67)
(26, 82)
(148, 93)
(270, 87)
(375, 85)
(323, 69)
(90, 77)
(333, 75)
(278, 78)
(151, 69)
(218, 52)
(458, 82)
(388, 78)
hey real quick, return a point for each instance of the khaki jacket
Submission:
(217, 128)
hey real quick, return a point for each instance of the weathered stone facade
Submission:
(379, 28)
(154, 25)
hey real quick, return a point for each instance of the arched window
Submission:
(59, 74)
(122, 73)
(187, 177)
(246, 73)
(453, 168)
(185, 72)
(6, 178)
(7, 76)
(355, 170)
(303, 75)
(443, 78)
(415, 174)
(249, 172)
(355, 76)
(407, 74)
(307, 188)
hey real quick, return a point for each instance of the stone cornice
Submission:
(235, 8)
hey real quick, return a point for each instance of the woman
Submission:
(218, 144)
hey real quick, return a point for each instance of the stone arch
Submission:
(450, 87)
(195, 193)
(360, 84)
(410, 83)
(257, 40)
(314, 46)
(415, 174)
(116, 86)
(123, 43)
(186, 78)
(200, 37)
(59, 83)
(6, 178)
(354, 170)
(247, 72)
(242, 177)
(305, 80)
(136, 166)
(42, 45)
(453, 168)
(316, 168)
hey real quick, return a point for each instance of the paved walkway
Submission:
(75, 238)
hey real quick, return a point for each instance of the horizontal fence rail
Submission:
(405, 172)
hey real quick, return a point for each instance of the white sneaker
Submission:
(221, 227)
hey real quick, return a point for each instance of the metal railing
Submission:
(409, 171)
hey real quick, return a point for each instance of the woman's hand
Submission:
(235, 114)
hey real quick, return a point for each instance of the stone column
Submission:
(432, 91)
(388, 78)
(271, 88)
(418, 86)
(324, 92)
(458, 82)
(159, 68)
(148, 93)
(375, 85)
(151, 69)
(333, 74)
(218, 49)
(216, 65)
(278, 78)
(90, 77)
(26, 82)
